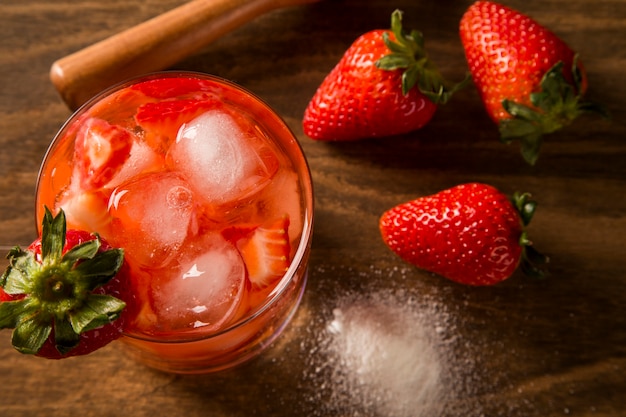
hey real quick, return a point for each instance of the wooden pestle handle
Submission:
(153, 45)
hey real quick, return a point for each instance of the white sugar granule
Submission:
(384, 352)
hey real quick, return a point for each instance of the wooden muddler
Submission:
(153, 45)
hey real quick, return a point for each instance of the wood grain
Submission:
(520, 349)
(153, 45)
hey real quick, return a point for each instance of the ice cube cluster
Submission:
(161, 209)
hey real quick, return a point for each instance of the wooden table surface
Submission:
(374, 336)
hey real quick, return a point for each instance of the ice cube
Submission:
(222, 156)
(151, 217)
(205, 291)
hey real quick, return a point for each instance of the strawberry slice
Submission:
(163, 88)
(87, 211)
(100, 151)
(166, 117)
(120, 107)
(266, 252)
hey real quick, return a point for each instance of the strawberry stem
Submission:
(55, 292)
(408, 53)
(554, 106)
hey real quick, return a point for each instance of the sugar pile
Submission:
(388, 359)
(386, 352)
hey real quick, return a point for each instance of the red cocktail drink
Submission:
(209, 193)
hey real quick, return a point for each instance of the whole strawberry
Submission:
(63, 295)
(383, 85)
(530, 81)
(471, 233)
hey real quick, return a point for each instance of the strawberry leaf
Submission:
(408, 53)
(532, 261)
(100, 269)
(53, 236)
(14, 254)
(10, 313)
(85, 250)
(30, 334)
(527, 132)
(524, 206)
(396, 60)
(17, 277)
(530, 146)
(535, 258)
(521, 112)
(97, 311)
(554, 93)
(65, 338)
(555, 105)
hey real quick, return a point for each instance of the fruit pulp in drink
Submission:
(209, 194)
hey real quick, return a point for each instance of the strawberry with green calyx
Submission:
(58, 295)
(471, 234)
(530, 81)
(383, 85)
